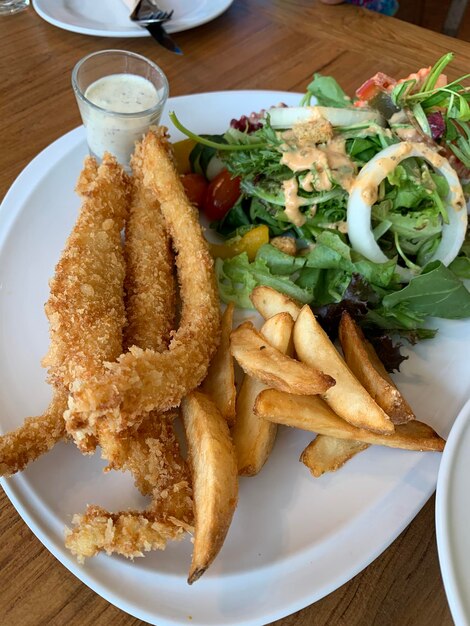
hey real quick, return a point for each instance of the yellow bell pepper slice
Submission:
(182, 150)
(250, 243)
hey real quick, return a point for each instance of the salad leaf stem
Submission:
(408, 263)
(213, 144)
(436, 71)
(422, 95)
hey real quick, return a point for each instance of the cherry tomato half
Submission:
(195, 186)
(222, 193)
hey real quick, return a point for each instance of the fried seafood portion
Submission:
(150, 452)
(35, 437)
(150, 300)
(85, 308)
(153, 456)
(145, 380)
(129, 534)
(150, 283)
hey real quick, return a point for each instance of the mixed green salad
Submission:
(343, 203)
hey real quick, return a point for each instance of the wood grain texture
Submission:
(268, 44)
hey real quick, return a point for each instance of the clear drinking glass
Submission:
(9, 7)
(120, 95)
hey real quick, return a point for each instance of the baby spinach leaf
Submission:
(437, 292)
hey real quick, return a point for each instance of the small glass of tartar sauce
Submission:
(120, 95)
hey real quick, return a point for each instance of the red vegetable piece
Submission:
(379, 82)
(195, 186)
(222, 193)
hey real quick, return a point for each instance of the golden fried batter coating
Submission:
(129, 534)
(150, 284)
(153, 456)
(36, 436)
(151, 451)
(86, 308)
(144, 380)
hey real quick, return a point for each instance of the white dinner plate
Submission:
(110, 18)
(294, 538)
(453, 518)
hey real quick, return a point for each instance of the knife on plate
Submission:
(162, 37)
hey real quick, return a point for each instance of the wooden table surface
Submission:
(267, 44)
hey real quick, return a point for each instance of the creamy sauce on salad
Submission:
(329, 163)
(293, 202)
(125, 106)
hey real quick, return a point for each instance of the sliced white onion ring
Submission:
(363, 195)
(286, 117)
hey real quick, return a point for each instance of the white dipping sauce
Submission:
(116, 125)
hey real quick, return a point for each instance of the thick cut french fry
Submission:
(219, 383)
(313, 414)
(269, 302)
(215, 480)
(369, 370)
(260, 360)
(253, 437)
(328, 454)
(347, 398)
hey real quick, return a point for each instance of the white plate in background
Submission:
(453, 518)
(110, 18)
(294, 538)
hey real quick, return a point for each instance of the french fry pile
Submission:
(121, 372)
(349, 403)
(294, 376)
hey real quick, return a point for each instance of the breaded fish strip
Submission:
(153, 455)
(144, 380)
(150, 283)
(129, 534)
(86, 307)
(82, 331)
(36, 436)
(152, 451)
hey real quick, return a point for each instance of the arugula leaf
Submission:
(437, 292)
(363, 149)
(327, 92)
(395, 319)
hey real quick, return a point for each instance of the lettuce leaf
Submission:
(237, 278)
(327, 92)
(279, 262)
(331, 252)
